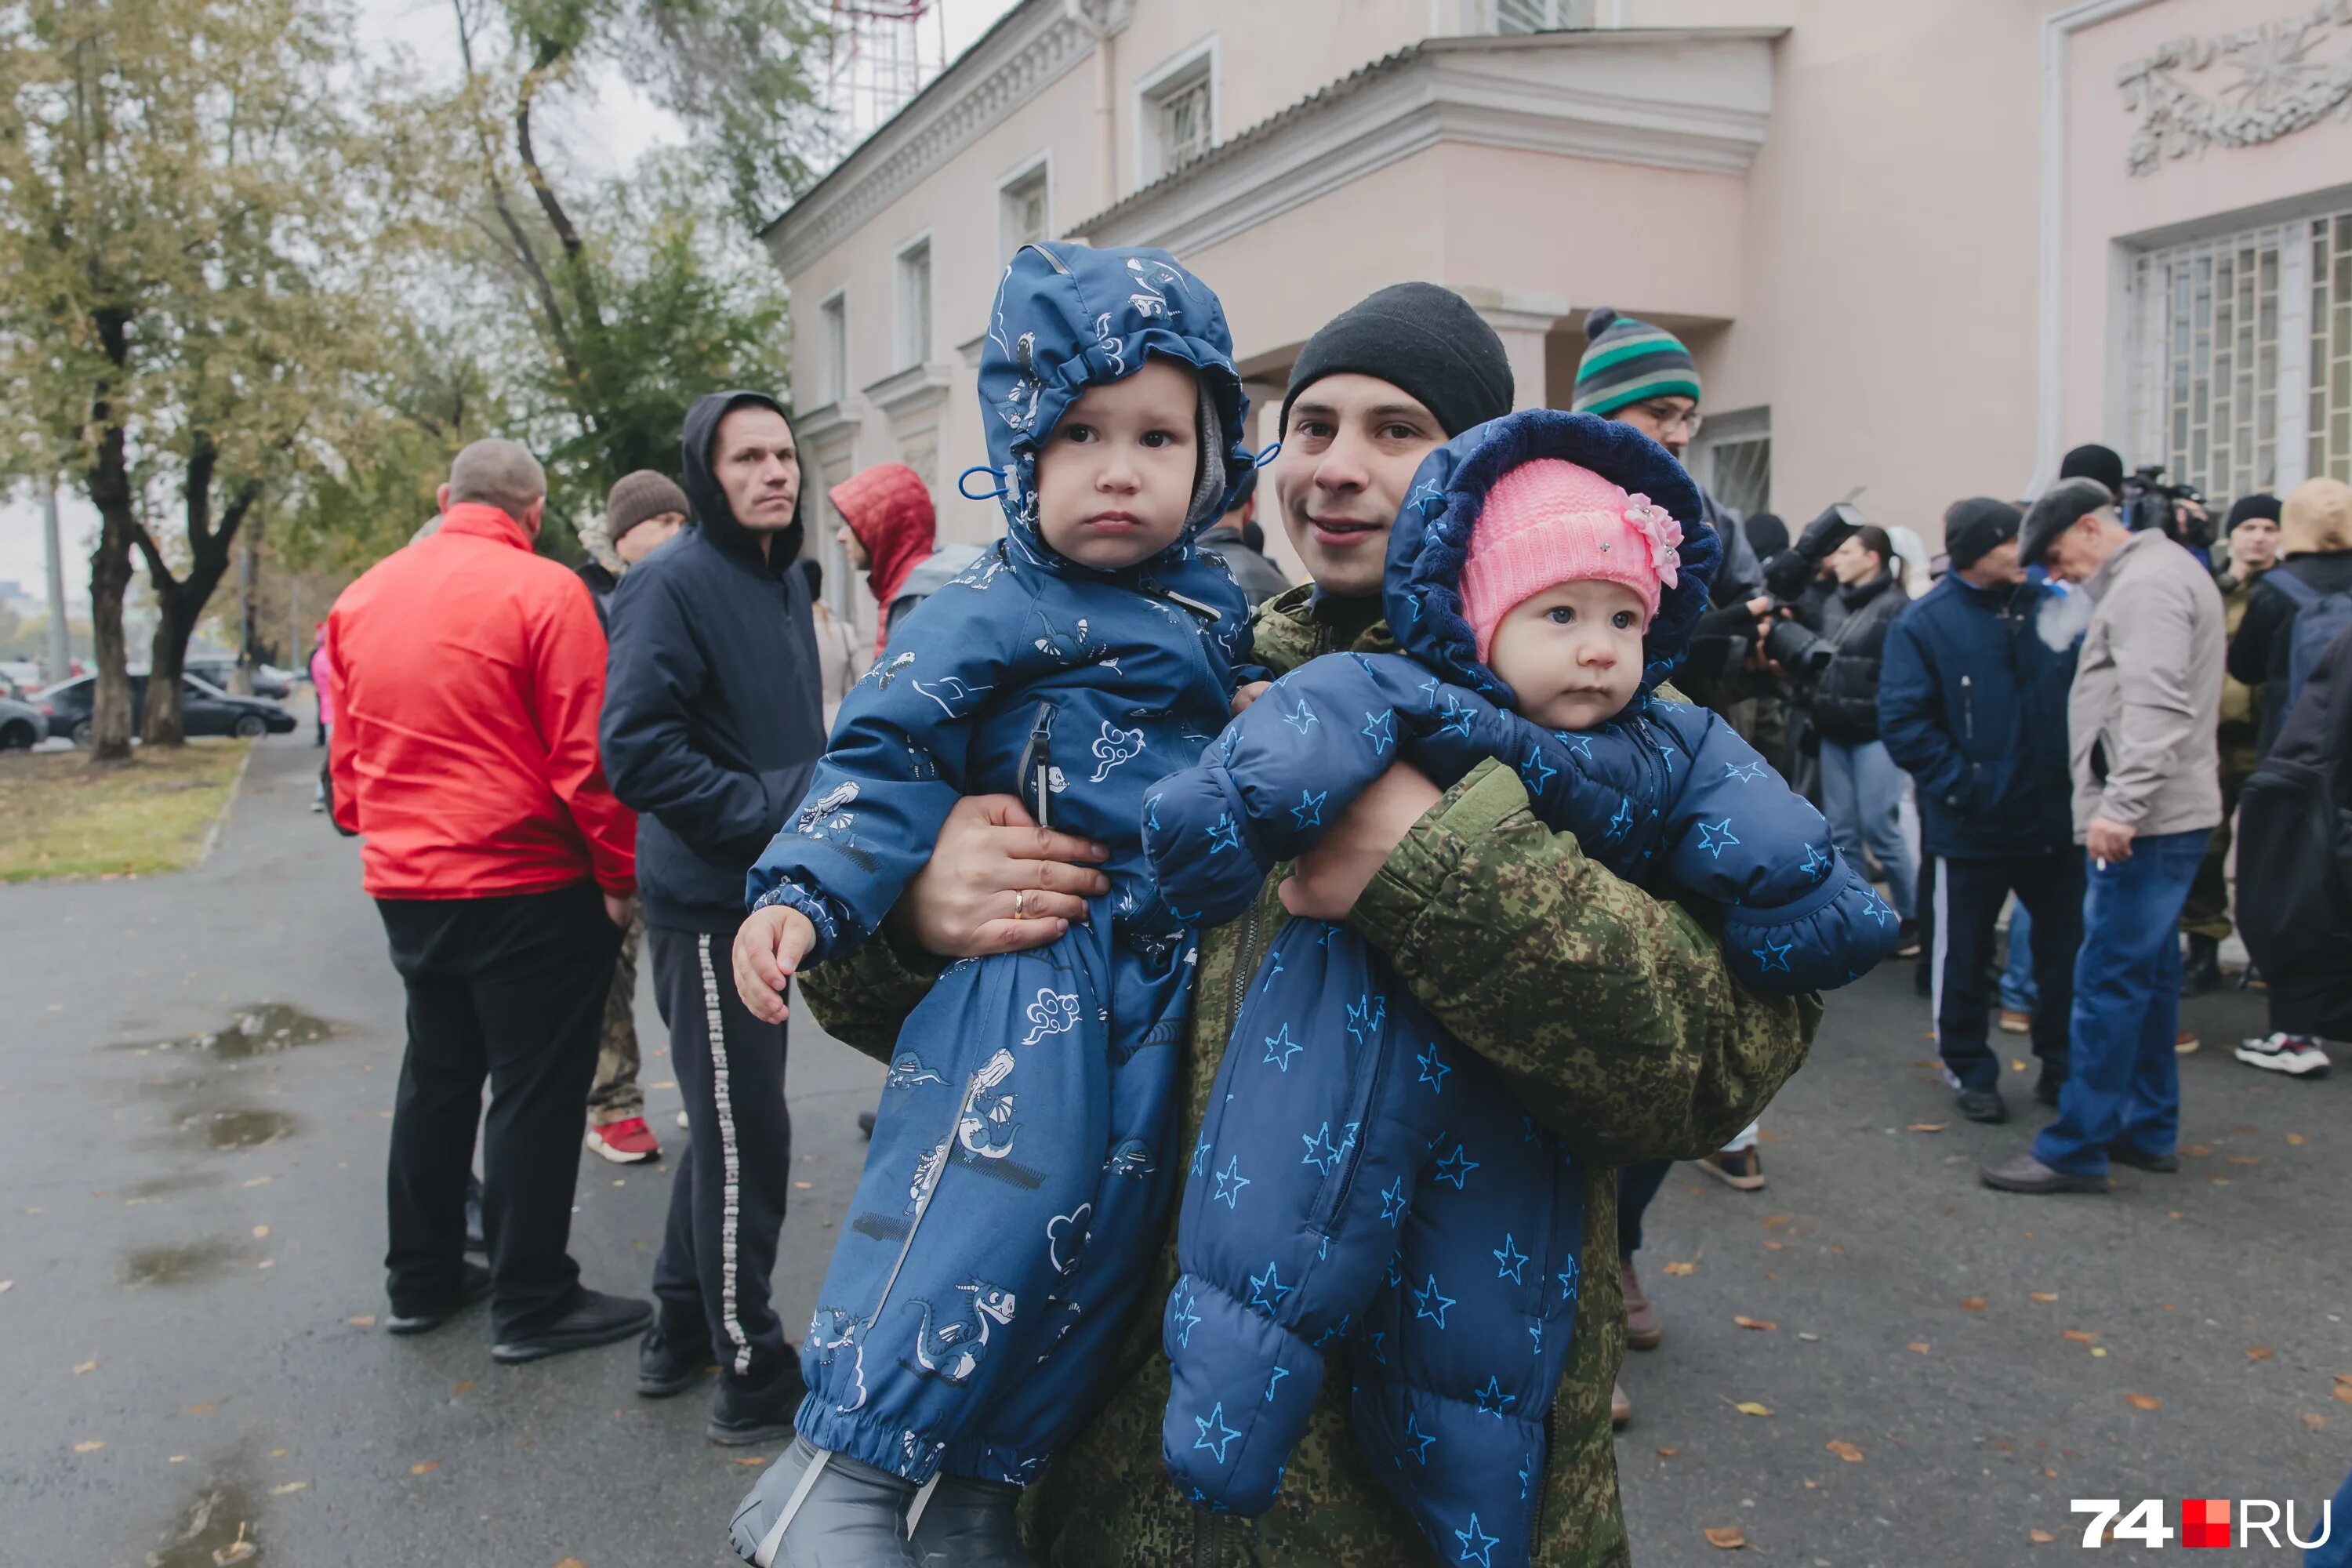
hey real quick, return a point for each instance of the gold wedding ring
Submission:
(1021, 903)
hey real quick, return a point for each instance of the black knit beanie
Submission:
(2247, 508)
(1422, 338)
(2094, 462)
(1974, 527)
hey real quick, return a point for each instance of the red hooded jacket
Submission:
(468, 675)
(889, 511)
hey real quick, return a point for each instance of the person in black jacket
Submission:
(2316, 549)
(1972, 704)
(711, 728)
(1862, 789)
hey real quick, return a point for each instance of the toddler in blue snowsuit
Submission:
(1539, 593)
(1019, 1178)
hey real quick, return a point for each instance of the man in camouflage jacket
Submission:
(1610, 1013)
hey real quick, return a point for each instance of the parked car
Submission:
(205, 709)
(23, 726)
(268, 680)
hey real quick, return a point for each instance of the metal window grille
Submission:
(2330, 413)
(1184, 123)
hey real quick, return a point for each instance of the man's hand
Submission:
(769, 947)
(997, 882)
(1326, 881)
(1249, 693)
(2107, 840)
(616, 909)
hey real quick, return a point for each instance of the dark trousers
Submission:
(510, 990)
(1968, 896)
(2312, 995)
(727, 1195)
(1636, 1185)
(2207, 911)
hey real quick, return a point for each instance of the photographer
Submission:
(1862, 789)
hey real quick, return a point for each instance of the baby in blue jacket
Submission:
(1543, 577)
(1019, 1178)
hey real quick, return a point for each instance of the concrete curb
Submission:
(212, 834)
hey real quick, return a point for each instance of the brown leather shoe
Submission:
(1621, 1409)
(1644, 1328)
(2027, 1174)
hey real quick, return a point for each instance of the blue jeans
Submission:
(2017, 991)
(1861, 794)
(2125, 1086)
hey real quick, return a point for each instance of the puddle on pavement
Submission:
(255, 1031)
(186, 1264)
(217, 1530)
(225, 1132)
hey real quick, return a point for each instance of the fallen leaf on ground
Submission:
(258, 1181)
(1668, 1452)
(2048, 1473)
(1726, 1538)
(1929, 1126)
(90, 1447)
(754, 1461)
(1972, 1303)
(1772, 1245)
(2244, 1159)
(237, 1551)
(1921, 1346)
(1775, 1221)
(1749, 1408)
(277, 1453)
(2260, 1352)
(284, 1488)
(2143, 1401)
(2044, 1296)
(2079, 1336)
(2039, 1537)
(206, 1408)
(1681, 1270)
(804, 1186)
(1808, 1339)
(2313, 1421)
(464, 1387)
(2297, 1140)
(572, 1562)
(2099, 1350)
(425, 1468)
(2198, 1150)
(2172, 1213)
(2016, 1064)
(1755, 1322)
(365, 1320)
(1844, 1450)
(85, 1366)
(2344, 1388)
(260, 1230)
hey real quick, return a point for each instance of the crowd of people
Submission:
(1113, 822)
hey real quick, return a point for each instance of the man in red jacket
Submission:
(468, 674)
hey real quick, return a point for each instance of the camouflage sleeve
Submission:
(1610, 1011)
(861, 1000)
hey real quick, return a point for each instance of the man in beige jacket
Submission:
(2141, 724)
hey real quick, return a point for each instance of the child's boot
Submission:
(818, 1509)
(966, 1524)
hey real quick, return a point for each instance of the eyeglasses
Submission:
(1669, 419)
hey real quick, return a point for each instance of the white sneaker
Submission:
(682, 1122)
(2297, 1055)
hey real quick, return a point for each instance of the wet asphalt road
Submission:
(190, 1238)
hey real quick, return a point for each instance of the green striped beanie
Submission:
(1626, 361)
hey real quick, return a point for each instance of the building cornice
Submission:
(904, 392)
(1036, 44)
(827, 420)
(1686, 99)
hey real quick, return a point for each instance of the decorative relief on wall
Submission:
(2291, 73)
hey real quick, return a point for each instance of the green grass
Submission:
(60, 817)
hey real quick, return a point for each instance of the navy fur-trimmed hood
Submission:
(1422, 594)
(1070, 316)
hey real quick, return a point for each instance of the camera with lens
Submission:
(2148, 502)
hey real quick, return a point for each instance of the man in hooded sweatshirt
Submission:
(710, 730)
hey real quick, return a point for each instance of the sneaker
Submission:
(1645, 1329)
(672, 1355)
(1981, 1105)
(866, 1125)
(2297, 1055)
(1906, 940)
(1621, 1409)
(596, 1320)
(682, 1122)
(318, 805)
(745, 1414)
(628, 1141)
(2185, 1043)
(1740, 1168)
(2046, 1089)
(473, 1284)
(2016, 1021)
(2027, 1174)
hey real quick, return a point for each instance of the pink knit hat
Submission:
(1549, 522)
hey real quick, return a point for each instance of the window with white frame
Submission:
(1180, 115)
(915, 304)
(833, 342)
(1732, 452)
(1023, 210)
(2243, 380)
(1541, 15)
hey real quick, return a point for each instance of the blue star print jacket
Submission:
(1029, 673)
(1429, 1222)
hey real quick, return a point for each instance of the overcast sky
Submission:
(605, 126)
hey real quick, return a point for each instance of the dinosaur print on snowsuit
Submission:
(1361, 1175)
(1019, 1176)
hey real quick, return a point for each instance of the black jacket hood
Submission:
(709, 499)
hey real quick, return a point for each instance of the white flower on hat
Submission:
(1658, 526)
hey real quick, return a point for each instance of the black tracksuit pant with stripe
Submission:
(1966, 903)
(728, 1191)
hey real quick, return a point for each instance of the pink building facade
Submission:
(1919, 249)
